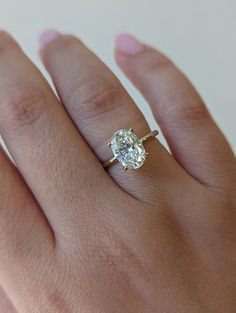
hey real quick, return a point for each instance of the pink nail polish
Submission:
(127, 44)
(47, 36)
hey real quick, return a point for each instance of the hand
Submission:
(77, 238)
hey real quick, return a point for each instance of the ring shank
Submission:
(143, 139)
(149, 136)
(110, 162)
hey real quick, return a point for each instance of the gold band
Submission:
(110, 162)
(149, 136)
(144, 139)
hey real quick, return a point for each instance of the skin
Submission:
(76, 238)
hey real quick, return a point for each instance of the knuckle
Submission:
(23, 107)
(94, 99)
(184, 107)
(191, 112)
(153, 63)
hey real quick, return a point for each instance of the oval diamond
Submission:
(128, 149)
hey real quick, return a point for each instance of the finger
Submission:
(26, 239)
(99, 106)
(194, 139)
(55, 161)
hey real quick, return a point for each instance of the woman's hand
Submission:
(77, 238)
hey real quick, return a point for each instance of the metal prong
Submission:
(109, 143)
(147, 154)
(125, 168)
(131, 130)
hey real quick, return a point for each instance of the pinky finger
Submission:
(194, 138)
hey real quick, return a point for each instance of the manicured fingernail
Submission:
(47, 36)
(127, 44)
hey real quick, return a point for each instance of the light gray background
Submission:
(199, 35)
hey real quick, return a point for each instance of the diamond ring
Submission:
(128, 148)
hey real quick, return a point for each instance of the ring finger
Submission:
(99, 105)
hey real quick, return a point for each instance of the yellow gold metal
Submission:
(143, 139)
(149, 136)
(110, 162)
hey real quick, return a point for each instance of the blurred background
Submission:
(199, 35)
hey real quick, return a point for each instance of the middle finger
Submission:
(46, 146)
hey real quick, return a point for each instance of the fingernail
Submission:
(127, 44)
(47, 36)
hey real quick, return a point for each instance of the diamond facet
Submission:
(128, 149)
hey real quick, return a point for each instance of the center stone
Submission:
(128, 149)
